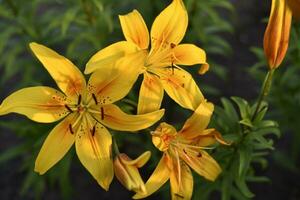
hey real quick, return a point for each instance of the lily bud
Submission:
(295, 7)
(126, 171)
(276, 39)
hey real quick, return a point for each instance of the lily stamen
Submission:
(68, 108)
(95, 98)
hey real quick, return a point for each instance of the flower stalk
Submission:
(266, 87)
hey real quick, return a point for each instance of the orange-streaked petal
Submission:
(56, 145)
(277, 34)
(170, 25)
(158, 178)
(135, 29)
(203, 164)
(181, 87)
(67, 76)
(151, 94)
(198, 122)
(108, 56)
(40, 104)
(182, 183)
(93, 147)
(113, 117)
(110, 84)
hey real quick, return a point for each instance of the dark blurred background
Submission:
(230, 31)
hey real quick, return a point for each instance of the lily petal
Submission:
(198, 122)
(114, 118)
(93, 147)
(209, 137)
(203, 164)
(170, 25)
(151, 94)
(135, 29)
(56, 145)
(110, 55)
(140, 161)
(40, 104)
(158, 178)
(110, 84)
(182, 184)
(181, 87)
(66, 75)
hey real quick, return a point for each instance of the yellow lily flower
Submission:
(159, 63)
(126, 170)
(277, 34)
(87, 108)
(184, 150)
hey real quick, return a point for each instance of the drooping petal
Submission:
(151, 94)
(40, 104)
(198, 122)
(67, 76)
(135, 29)
(182, 184)
(277, 34)
(110, 84)
(108, 56)
(113, 117)
(93, 147)
(203, 164)
(158, 178)
(56, 145)
(140, 161)
(181, 87)
(170, 25)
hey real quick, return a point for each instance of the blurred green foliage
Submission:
(79, 28)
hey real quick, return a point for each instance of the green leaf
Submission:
(243, 106)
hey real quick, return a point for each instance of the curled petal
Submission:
(93, 147)
(113, 117)
(108, 56)
(170, 25)
(56, 145)
(67, 76)
(209, 137)
(277, 35)
(151, 94)
(135, 29)
(181, 87)
(140, 161)
(198, 122)
(158, 178)
(40, 104)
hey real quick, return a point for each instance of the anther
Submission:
(68, 108)
(178, 195)
(172, 45)
(199, 155)
(102, 113)
(79, 100)
(93, 131)
(95, 99)
(184, 151)
(71, 129)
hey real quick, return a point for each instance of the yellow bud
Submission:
(126, 171)
(276, 39)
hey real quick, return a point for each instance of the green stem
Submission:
(264, 92)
